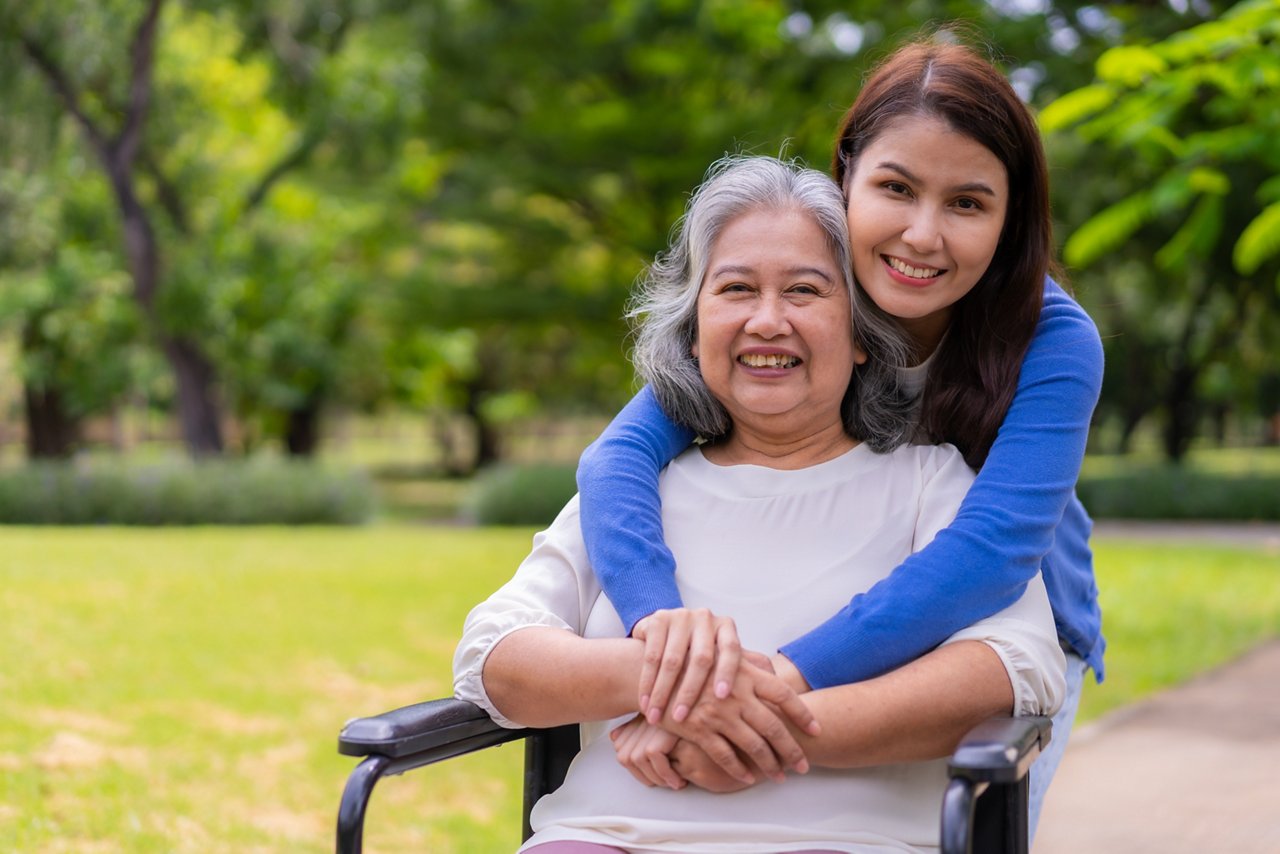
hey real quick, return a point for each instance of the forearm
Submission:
(621, 512)
(919, 711)
(982, 561)
(542, 677)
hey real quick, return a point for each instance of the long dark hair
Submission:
(973, 379)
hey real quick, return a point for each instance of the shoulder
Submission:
(932, 462)
(1063, 319)
(1066, 340)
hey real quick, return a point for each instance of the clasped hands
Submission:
(711, 713)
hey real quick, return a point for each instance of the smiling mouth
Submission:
(768, 360)
(912, 272)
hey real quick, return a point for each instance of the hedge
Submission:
(521, 494)
(534, 494)
(183, 493)
(1169, 492)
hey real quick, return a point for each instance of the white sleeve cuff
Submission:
(478, 642)
(1035, 663)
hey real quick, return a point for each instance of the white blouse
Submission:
(779, 551)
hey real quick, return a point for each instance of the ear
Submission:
(694, 349)
(859, 354)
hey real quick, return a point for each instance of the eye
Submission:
(735, 288)
(805, 290)
(897, 188)
(968, 204)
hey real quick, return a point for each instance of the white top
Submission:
(779, 551)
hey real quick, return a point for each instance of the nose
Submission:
(924, 230)
(769, 317)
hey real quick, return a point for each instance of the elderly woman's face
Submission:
(775, 339)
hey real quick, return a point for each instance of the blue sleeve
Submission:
(620, 510)
(981, 563)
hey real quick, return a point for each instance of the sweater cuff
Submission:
(657, 594)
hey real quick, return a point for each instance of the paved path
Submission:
(1265, 535)
(1193, 770)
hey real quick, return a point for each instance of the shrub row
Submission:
(521, 494)
(534, 494)
(1169, 492)
(183, 493)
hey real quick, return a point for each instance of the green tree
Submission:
(570, 135)
(110, 100)
(63, 298)
(1185, 252)
(201, 122)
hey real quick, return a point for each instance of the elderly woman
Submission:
(787, 510)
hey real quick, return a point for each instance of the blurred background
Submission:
(349, 261)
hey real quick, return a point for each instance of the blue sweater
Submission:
(1021, 515)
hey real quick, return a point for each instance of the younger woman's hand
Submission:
(684, 644)
(643, 750)
(747, 728)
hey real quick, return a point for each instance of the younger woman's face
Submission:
(926, 208)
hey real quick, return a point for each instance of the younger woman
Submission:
(947, 190)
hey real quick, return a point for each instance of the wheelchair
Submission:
(983, 810)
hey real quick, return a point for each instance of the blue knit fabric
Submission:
(1021, 515)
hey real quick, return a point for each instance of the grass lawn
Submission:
(181, 690)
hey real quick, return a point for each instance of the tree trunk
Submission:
(1181, 412)
(198, 410)
(302, 428)
(193, 373)
(487, 440)
(52, 433)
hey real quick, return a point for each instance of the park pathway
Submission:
(1193, 770)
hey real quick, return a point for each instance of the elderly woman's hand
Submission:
(655, 757)
(684, 644)
(642, 749)
(749, 721)
(692, 763)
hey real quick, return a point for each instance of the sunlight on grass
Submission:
(1171, 611)
(182, 690)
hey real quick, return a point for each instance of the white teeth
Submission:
(914, 272)
(768, 360)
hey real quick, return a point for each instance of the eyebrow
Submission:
(971, 187)
(739, 269)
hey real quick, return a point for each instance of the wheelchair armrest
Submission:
(403, 739)
(418, 728)
(984, 807)
(1000, 750)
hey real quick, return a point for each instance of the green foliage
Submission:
(521, 494)
(209, 493)
(1107, 230)
(1173, 146)
(1178, 492)
(1260, 240)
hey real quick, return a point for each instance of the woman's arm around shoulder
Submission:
(621, 512)
(982, 561)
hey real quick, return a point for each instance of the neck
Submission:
(925, 335)
(757, 445)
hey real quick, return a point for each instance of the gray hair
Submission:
(664, 306)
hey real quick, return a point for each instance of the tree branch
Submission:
(57, 78)
(142, 52)
(167, 193)
(295, 157)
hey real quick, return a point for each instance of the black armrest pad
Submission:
(1001, 750)
(415, 728)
